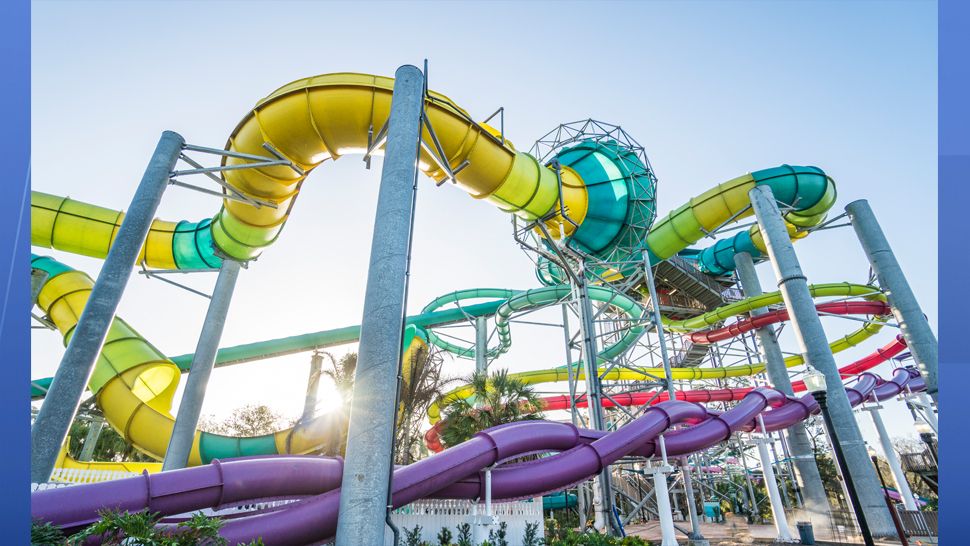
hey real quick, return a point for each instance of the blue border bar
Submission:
(14, 265)
(954, 262)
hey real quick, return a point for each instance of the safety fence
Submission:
(919, 524)
(434, 515)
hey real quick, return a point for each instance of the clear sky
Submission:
(711, 89)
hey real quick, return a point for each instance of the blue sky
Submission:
(711, 89)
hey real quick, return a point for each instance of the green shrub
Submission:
(531, 537)
(42, 533)
(413, 537)
(464, 534)
(444, 537)
(136, 529)
(497, 537)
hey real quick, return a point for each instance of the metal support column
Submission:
(64, 396)
(602, 490)
(696, 538)
(312, 386)
(662, 495)
(929, 412)
(813, 491)
(655, 309)
(481, 344)
(814, 345)
(574, 418)
(91, 439)
(902, 486)
(190, 408)
(364, 496)
(774, 498)
(912, 322)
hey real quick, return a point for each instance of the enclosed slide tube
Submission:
(134, 383)
(456, 473)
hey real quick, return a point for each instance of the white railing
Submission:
(62, 477)
(433, 515)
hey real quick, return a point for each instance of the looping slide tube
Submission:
(133, 382)
(456, 473)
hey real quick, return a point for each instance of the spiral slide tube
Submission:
(133, 382)
(455, 473)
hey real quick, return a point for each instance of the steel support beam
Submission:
(91, 439)
(204, 359)
(312, 386)
(813, 491)
(364, 495)
(481, 344)
(669, 538)
(912, 322)
(774, 498)
(814, 345)
(602, 490)
(902, 486)
(64, 396)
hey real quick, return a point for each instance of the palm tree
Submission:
(426, 385)
(341, 372)
(496, 399)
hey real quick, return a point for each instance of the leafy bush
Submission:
(496, 537)
(464, 534)
(569, 537)
(42, 533)
(444, 537)
(413, 537)
(531, 537)
(136, 529)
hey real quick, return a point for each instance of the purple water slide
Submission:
(455, 473)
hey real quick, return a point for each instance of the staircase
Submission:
(923, 465)
(684, 277)
(691, 355)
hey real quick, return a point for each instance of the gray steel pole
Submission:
(38, 278)
(190, 408)
(912, 322)
(655, 305)
(573, 416)
(696, 538)
(481, 344)
(813, 491)
(814, 345)
(594, 400)
(902, 486)
(774, 496)
(364, 495)
(312, 386)
(91, 439)
(64, 396)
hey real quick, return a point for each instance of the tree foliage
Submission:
(249, 420)
(424, 384)
(496, 399)
(110, 446)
